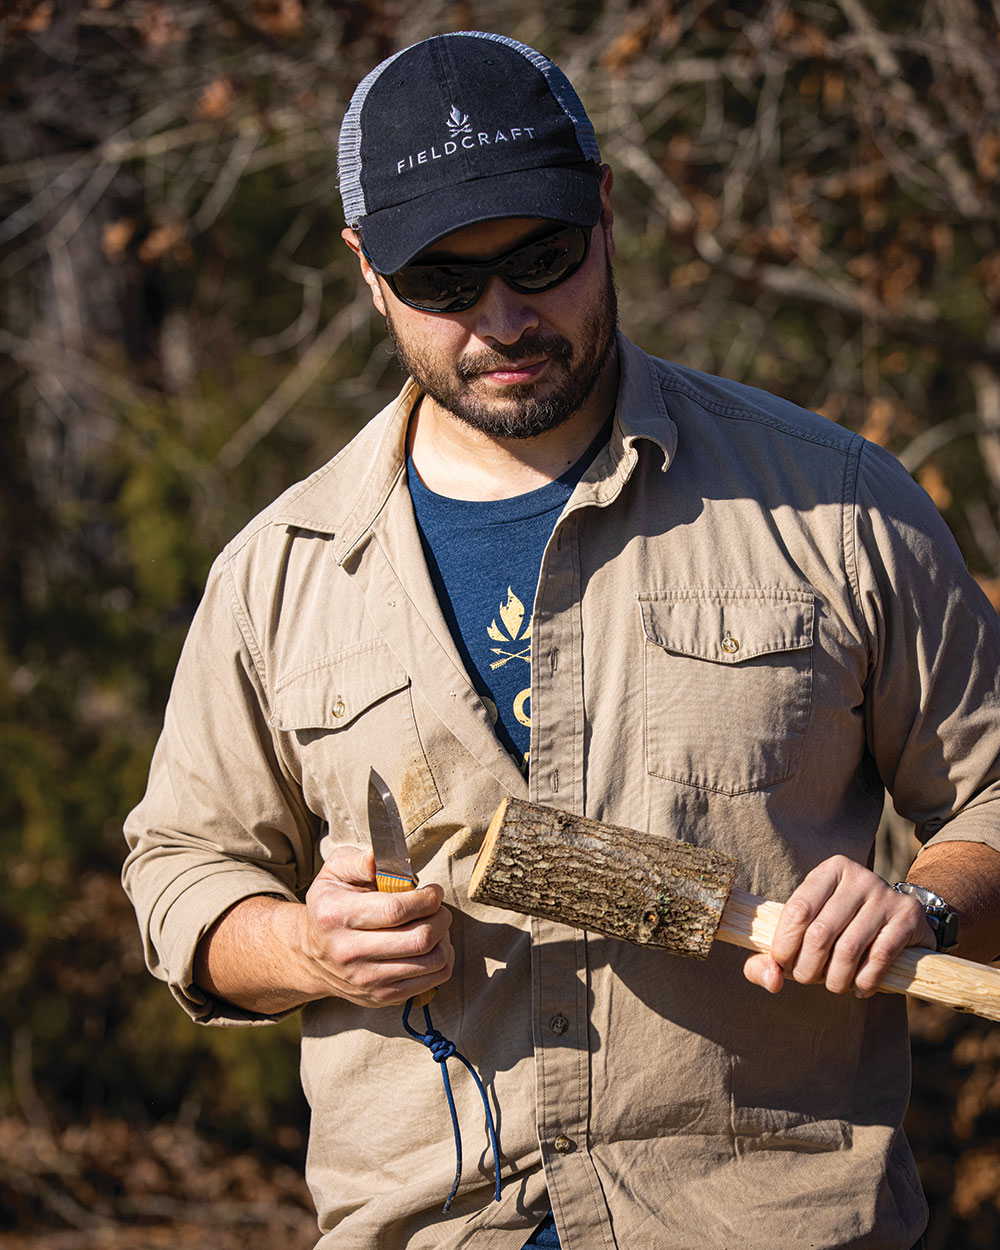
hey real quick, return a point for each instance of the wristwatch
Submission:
(940, 916)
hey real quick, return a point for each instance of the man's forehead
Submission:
(483, 240)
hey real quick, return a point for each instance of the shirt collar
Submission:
(376, 459)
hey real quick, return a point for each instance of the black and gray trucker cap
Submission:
(463, 128)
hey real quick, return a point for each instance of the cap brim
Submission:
(393, 236)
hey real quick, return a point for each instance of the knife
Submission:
(393, 870)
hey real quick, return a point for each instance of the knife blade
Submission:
(393, 870)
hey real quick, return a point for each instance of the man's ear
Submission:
(607, 212)
(350, 237)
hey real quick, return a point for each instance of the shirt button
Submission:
(730, 644)
(559, 1025)
(338, 708)
(563, 1144)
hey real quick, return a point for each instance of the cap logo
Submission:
(458, 123)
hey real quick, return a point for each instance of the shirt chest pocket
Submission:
(728, 685)
(339, 717)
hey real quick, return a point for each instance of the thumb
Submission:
(352, 866)
(764, 971)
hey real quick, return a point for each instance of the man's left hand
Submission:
(844, 927)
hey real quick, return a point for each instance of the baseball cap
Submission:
(462, 128)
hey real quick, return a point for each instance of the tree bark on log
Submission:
(626, 884)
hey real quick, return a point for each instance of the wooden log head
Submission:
(639, 887)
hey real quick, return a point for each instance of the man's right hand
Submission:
(374, 949)
(269, 955)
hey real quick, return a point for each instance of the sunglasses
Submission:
(452, 286)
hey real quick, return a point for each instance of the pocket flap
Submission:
(333, 691)
(728, 626)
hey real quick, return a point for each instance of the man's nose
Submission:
(503, 314)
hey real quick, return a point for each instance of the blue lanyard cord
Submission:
(441, 1051)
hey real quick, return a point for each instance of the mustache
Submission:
(552, 345)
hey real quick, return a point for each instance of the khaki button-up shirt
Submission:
(747, 620)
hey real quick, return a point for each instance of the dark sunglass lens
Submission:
(548, 261)
(437, 288)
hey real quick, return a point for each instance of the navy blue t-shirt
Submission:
(484, 558)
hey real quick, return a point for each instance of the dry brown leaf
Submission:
(116, 237)
(157, 28)
(880, 420)
(833, 88)
(685, 276)
(166, 241)
(988, 273)
(284, 18)
(977, 1181)
(933, 481)
(988, 156)
(990, 586)
(217, 98)
(36, 21)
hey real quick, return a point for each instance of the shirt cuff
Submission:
(181, 918)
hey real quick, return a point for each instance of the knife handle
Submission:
(389, 884)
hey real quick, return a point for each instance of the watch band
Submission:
(941, 917)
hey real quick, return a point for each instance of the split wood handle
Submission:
(749, 921)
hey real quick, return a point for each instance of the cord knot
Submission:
(441, 1051)
(439, 1046)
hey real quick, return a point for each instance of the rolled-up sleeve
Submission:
(222, 818)
(933, 695)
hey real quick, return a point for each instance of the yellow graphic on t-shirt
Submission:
(512, 618)
(515, 638)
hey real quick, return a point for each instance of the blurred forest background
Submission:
(808, 199)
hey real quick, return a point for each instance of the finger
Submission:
(801, 912)
(383, 983)
(414, 940)
(839, 934)
(906, 928)
(866, 935)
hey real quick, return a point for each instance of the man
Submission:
(556, 567)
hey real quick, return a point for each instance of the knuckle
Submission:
(369, 979)
(850, 948)
(421, 940)
(345, 953)
(818, 936)
(394, 910)
(881, 955)
(797, 910)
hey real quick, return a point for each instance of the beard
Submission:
(526, 409)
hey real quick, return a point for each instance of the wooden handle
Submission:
(749, 921)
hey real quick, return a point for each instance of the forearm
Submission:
(967, 876)
(252, 957)
(347, 940)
